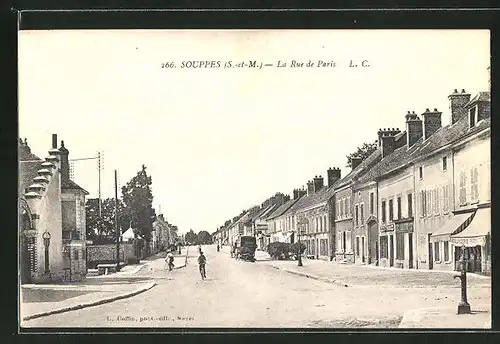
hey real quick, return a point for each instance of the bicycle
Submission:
(203, 271)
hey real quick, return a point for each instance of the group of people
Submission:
(202, 260)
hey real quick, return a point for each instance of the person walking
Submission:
(202, 260)
(218, 247)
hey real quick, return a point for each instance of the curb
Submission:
(413, 317)
(311, 276)
(91, 304)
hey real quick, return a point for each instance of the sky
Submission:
(220, 140)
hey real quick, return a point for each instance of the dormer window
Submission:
(472, 117)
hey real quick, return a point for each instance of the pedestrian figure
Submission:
(218, 247)
(202, 260)
(170, 261)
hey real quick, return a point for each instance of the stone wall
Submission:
(103, 254)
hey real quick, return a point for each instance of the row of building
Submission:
(52, 226)
(416, 202)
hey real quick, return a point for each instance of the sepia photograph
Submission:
(272, 179)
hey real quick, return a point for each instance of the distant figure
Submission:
(202, 260)
(218, 247)
(170, 261)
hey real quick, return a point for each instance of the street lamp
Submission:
(463, 305)
(300, 228)
(46, 243)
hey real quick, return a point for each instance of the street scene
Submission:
(265, 290)
(341, 192)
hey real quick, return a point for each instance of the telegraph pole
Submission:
(116, 224)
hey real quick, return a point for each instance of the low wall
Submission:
(106, 254)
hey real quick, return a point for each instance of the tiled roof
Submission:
(67, 184)
(268, 211)
(27, 171)
(362, 167)
(320, 196)
(442, 137)
(282, 209)
(480, 97)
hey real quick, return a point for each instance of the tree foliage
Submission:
(102, 229)
(191, 237)
(138, 199)
(362, 152)
(204, 238)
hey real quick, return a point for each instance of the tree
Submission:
(204, 238)
(138, 200)
(362, 152)
(191, 237)
(102, 229)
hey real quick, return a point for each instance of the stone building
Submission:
(51, 218)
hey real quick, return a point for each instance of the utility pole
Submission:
(116, 224)
(100, 167)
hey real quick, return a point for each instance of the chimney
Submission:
(355, 161)
(310, 187)
(457, 105)
(302, 192)
(333, 175)
(414, 129)
(24, 150)
(286, 199)
(54, 141)
(295, 193)
(279, 198)
(431, 121)
(64, 161)
(317, 183)
(388, 140)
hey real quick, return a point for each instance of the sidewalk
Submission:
(47, 299)
(447, 318)
(362, 275)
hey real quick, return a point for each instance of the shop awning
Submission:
(455, 225)
(475, 233)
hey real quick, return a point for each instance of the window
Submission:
(400, 246)
(446, 251)
(325, 226)
(428, 203)
(446, 197)
(472, 117)
(372, 205)
(410, 205)
(399, 207)
(384, 247)
(348, 207)
(463, 191)
(422, 203)
(357, 246)
(391, 210)
(362, 215)
(349, 243)
(383, 211)
(436, 201)
(339, 242)
(356, 215)
(445, 164)
(421, 172)
(344, 241)
(437, 256)
(474, 189)
(338, 210)
(343, 207)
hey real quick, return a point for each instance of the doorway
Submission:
(431, 256)
(391, 250)
(363, 249)
(410, 252)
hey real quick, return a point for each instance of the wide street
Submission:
(243, 294)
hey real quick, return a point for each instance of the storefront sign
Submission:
(404, 227)
(387, 228)
(469, 242)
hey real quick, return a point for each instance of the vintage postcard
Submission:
(254, 179)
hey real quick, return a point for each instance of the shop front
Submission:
(475, 242)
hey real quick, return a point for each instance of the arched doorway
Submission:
(27, 241)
